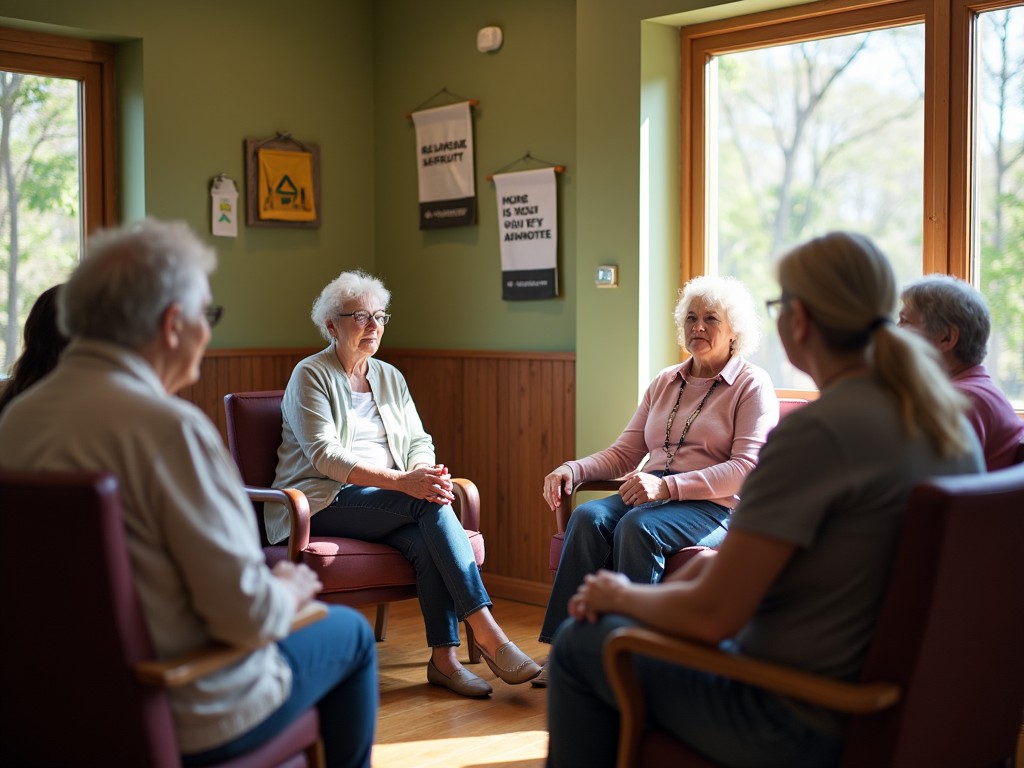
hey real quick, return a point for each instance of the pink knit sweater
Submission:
(723, 442)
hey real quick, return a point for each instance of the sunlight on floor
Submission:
(530, 750)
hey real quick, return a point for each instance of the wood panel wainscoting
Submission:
(502, 419)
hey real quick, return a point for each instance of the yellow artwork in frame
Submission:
(286, 186)
(282, 183)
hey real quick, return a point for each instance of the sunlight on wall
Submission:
(644, 324)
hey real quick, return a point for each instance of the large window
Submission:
(895, 119)
(56, 166)
(997, 216)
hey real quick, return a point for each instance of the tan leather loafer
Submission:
(462, 681)
(541, 680)
(512, 665)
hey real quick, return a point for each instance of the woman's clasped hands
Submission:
(430, 482)
(640, 487)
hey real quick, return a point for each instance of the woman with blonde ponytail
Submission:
(846, 285)
(800, 577)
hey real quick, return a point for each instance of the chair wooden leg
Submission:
(315, 757)
(474, 649)
(380, 629)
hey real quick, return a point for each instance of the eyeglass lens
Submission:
(214, 313)
(361, 317)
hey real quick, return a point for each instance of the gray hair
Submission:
(130, 276)
(943, 301)
(342, 289)
(733, 298)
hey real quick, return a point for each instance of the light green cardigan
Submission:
(318, 431)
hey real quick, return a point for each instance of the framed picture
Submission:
(282, 183)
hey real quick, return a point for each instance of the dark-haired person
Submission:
(953, 316)
(43, 344)
(800, 577)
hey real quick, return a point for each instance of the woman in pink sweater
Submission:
(702, 424)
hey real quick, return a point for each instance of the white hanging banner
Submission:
(528, 228)
(224, 213)
(444, 153)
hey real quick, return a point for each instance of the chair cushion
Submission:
(345, 565)
(672, 563)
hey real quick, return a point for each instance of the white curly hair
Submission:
(733, 298)
(345, 287)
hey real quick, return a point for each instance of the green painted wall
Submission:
(624, 66)
(573, 84)
(447, 283)
(209, 75)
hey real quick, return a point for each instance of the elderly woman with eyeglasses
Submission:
(353, 442)
(700, 424)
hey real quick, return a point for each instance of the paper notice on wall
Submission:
(528, 229)
(444, 159)
(224, 214)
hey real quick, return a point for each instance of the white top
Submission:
(317, 431)
(371, 443)
(192, 538)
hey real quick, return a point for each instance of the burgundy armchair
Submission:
(81, 686)
(353, 572)
(673, 562)
(943, 683)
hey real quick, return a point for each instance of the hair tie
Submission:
(877, 322)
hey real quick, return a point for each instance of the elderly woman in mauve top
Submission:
(703, 424)
(353, 442)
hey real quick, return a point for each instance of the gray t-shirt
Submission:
(834, 479)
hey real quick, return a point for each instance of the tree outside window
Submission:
(998, 248)
(40, 227)
(813, 137)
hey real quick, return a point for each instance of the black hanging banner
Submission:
(528, 230)
(444, 152)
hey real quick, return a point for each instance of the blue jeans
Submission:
(429, 536)
(733, 724)
(334, 665)
(608, 533)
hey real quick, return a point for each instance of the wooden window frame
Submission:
(961, 96)
(701, 42)
(91, 63)
(949, 26)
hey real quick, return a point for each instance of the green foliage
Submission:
(44, 162)
(1002, 282)
(811, 139)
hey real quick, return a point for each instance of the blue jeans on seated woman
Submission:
(334, 666)
(733, 724)
(608, 533)
(429, 536)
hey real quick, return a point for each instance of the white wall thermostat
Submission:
(488, 39)
(607, 276)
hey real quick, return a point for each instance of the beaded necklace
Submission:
(686, 427)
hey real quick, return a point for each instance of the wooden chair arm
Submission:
(468, 507)
(193, 665)
(298, 512)
(622, 643)
(569, 501)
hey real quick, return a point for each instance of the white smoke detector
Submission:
(488, 39)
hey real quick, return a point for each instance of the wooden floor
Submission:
(424, 725)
